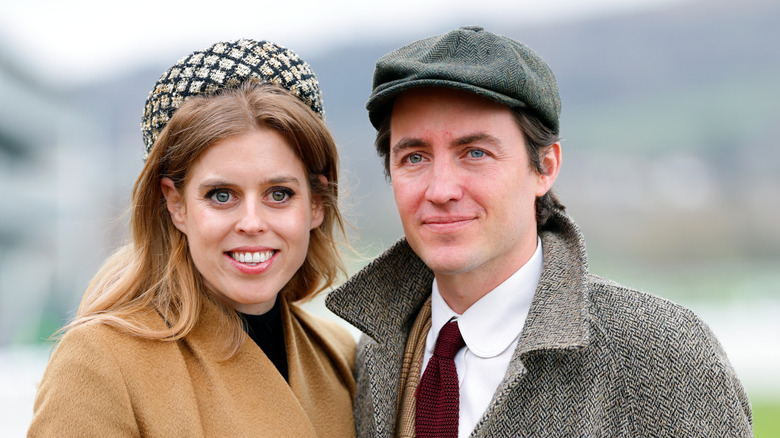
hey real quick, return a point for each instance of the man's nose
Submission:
(444, 182)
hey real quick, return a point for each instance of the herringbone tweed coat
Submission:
(595, 359)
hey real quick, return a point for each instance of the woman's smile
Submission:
(247, 212)
(251, 258)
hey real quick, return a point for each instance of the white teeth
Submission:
(252, 257)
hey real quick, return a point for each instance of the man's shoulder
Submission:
(633, 319)
(608, 298)
(672, 363)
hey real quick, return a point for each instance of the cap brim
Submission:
(379, 100)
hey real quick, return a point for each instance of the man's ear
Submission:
(551, 164)
(175, 203)
(317, 207)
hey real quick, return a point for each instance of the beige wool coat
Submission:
(103, 382)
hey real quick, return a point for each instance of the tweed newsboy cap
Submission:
(226, 65)
(471, 59)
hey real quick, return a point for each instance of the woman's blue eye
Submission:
(281, 194)
(220, 196)
(415, 158)
(278, 195)
(476, 153)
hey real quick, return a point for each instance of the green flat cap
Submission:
(471, 59)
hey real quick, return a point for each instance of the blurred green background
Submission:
(671, 120)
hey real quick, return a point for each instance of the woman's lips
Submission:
(251, 257)
(252, 260)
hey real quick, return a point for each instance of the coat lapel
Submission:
(247, 383)
(556, 322)
(380, 371)
(382, 300)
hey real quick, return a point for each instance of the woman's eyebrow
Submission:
(281, 179)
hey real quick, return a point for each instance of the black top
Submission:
(266, 331)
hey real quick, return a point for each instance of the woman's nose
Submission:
(251, 220)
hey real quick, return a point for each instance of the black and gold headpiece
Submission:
(226, 65)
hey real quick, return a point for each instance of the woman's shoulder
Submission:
(329, 331)
(101, 338)
(89, 382)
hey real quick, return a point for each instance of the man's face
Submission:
(463, 185)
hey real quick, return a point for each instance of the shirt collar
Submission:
(494, 322)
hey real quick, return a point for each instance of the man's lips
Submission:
(435, 220)
(445, 224)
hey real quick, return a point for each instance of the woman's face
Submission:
(247, 212)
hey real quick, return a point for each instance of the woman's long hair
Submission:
(154, 272)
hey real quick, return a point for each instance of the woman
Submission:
(233, 220)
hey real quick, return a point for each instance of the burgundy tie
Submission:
(438, 391)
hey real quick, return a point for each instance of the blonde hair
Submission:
(155, 272)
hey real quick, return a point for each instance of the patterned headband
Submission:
(227, 65)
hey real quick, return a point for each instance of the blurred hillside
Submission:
(670, 124)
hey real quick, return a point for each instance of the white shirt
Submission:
(491, 328)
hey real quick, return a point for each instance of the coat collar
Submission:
(558, 316)
(382, 299)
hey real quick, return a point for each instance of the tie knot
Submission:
(449, 341)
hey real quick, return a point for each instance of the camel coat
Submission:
(104, 382)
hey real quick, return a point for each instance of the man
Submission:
(484, 320)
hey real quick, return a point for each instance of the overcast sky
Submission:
(82, 39)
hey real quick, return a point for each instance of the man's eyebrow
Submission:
(406, 143)
(476, 137)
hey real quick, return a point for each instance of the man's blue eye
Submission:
(476, 153)
(415, 158)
